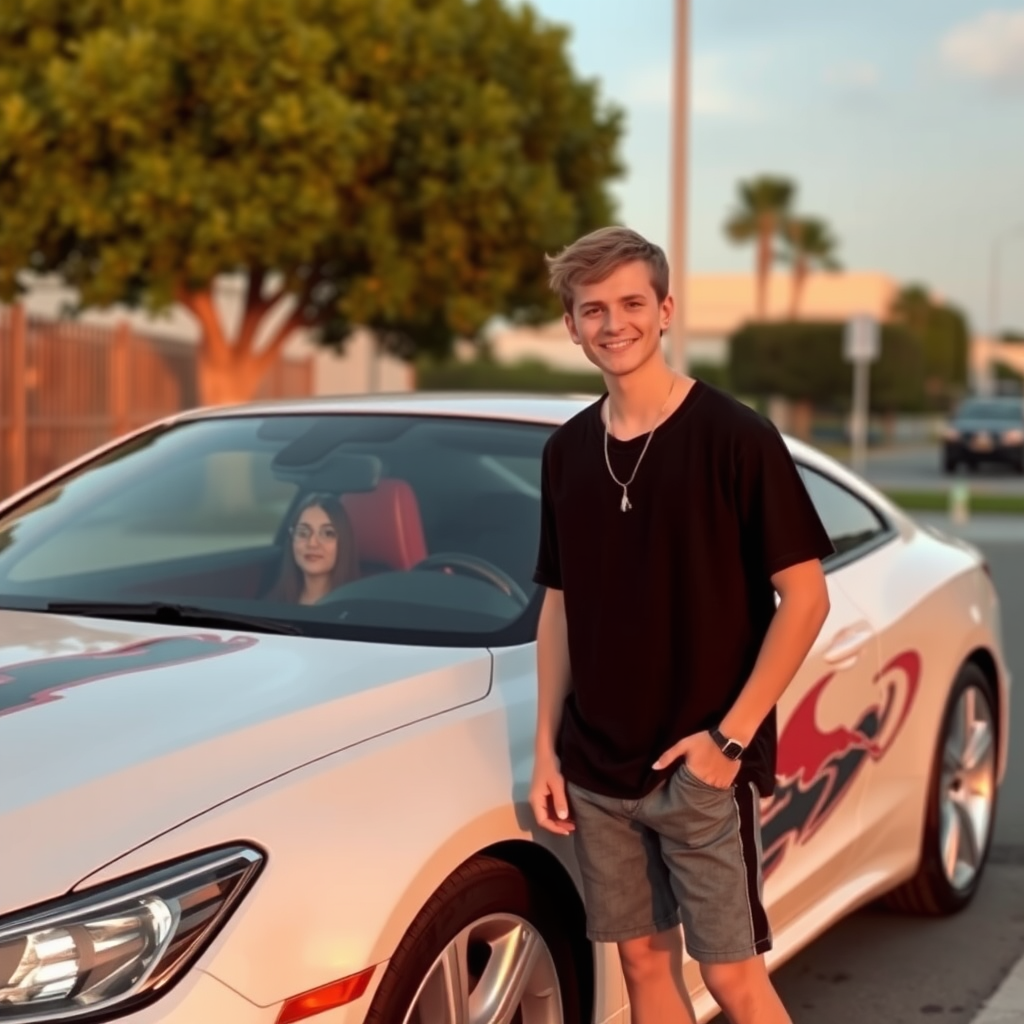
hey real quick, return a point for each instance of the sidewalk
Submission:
(1006, 1005)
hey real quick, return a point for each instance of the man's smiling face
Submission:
(618, 322)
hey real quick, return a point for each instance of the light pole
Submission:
(985, 377)
(680, 108)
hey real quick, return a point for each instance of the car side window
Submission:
(850, 522)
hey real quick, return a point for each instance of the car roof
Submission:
(539, 408)
(1010, 402)
(520, 406)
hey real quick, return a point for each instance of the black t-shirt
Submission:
(667, 604)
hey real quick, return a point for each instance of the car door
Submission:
(892, 586)
(810, 827)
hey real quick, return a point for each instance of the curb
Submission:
(1006, 1005)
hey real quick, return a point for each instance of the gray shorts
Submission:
(686, 853)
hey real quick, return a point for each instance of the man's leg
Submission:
(653, 969)
(710, 838)
(629, 901)
(745, 992)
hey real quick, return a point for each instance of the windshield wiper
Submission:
(171, 614)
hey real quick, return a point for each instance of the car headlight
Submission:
(115, 946)
(950, 434)
(1015, 436)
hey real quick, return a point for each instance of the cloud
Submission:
(854, 76)
(989, 48)
(711, 93)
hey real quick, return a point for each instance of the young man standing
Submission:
(672, 514)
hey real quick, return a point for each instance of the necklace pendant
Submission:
(625, 504)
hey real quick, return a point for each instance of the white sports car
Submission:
(220, 804)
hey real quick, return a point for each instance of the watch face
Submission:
(731, 748)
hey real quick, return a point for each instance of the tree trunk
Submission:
(802, 419)
(764, 264)
(227, 379)
(888, 426)
(230, 371)
(799, 280)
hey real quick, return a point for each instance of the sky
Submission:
(901, 121)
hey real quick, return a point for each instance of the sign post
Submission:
(860, 347)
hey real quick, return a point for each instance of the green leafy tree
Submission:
(944, 336)
(762, 206)
(400, 164)
(807, 244)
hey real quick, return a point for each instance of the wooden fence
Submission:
(66, 387)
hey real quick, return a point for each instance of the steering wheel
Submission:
(474, 565)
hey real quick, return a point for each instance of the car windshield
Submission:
(991, 409)
(408, 529)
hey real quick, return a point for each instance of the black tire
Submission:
(949, 464)
(481, 887)
(929, 892)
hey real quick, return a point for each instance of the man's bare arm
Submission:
(803, 608)
(553, 675)
(554, 679)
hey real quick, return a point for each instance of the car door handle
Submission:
(848, 643)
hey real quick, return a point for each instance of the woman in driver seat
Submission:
(322, 554)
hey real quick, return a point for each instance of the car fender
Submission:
(356, 844)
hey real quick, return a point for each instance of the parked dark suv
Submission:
(985, 430)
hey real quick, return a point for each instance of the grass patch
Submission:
(938, 501)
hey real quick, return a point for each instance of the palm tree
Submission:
(807, 244)
(763, 205)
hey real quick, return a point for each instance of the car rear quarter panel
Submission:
(931, 598)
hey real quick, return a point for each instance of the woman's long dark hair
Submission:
(288, 588)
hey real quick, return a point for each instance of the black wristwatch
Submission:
(732, 749)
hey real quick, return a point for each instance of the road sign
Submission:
(860, 347)
(861, 342)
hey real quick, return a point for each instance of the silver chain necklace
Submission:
(625, 504)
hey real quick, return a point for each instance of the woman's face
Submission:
(315, 542)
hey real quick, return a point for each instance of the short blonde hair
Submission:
(593, 257)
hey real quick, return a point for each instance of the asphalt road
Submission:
(886, 968)
(919, 468)
(883, 967)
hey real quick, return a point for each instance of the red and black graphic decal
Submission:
(36, 682)
(815, 769)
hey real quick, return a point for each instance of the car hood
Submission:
(113, 732)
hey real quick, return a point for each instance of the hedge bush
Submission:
(803, 361)
(527, 376)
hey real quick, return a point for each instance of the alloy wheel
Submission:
(497, 970)
(968, 786)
